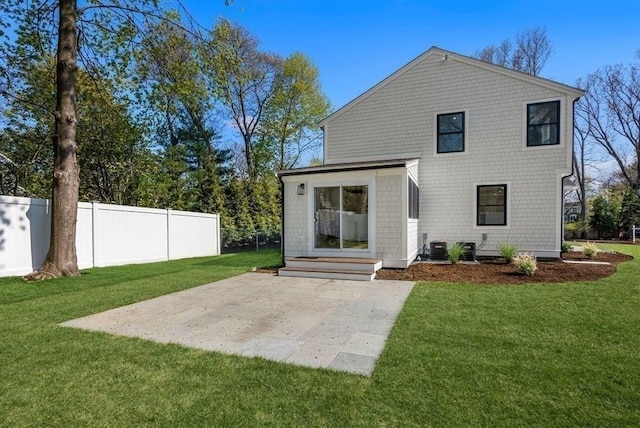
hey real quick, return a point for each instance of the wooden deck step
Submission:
(349, 268)
(335, 263)
(326, 273)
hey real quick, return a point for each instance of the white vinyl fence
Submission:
(106, 235)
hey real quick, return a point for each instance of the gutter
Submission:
(573, 154)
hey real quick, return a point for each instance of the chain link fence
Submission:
(249, 239)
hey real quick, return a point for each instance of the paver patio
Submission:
(341, 325)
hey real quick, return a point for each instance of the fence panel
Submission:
(186, 237)
(84, 235)
(24, 223)
(129, 235)
(106, 235)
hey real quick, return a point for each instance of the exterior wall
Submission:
(389, 218)
(399, 117)
(106, 235)
(388, 227)
(296, 217)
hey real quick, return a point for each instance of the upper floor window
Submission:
(451, 132)
(543, 123)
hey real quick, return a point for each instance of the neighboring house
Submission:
(448, 148)
(572, 211)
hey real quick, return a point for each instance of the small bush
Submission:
(455, 253)
(566, 247)
(526, 264)
(590, 250)
(508, 251)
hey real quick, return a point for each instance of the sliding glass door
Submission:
(341, 217)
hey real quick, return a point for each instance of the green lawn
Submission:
(459, 355)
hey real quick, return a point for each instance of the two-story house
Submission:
(448, 148)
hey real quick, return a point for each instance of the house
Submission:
(446, 149)
(572, 211)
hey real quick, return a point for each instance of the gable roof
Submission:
(448, 55)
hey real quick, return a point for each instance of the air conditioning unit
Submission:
(438, 250)
(469, 251)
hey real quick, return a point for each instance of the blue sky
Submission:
(355, 44)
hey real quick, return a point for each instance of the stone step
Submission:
(326, 273)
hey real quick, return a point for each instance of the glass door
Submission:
(341, 217)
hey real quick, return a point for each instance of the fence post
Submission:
(633, 229)
(94, 233)
(168, 234)
(257, 240)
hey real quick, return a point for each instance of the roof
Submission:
(448, 55)
(355, 166)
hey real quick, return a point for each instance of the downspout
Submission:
(573, 153)
(281, 218)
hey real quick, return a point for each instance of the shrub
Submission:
(590, 249)
(455, 253)
(525, 263)
(566, 247)
(508, 251)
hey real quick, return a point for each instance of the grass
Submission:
(460, 354)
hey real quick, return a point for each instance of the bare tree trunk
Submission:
(62, 259)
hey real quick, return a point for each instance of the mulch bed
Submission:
(499, 272)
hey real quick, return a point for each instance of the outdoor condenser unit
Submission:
(469, 251)
(438, 250)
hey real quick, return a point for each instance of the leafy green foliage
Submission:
(575, 229)
(508, 251)
(605, 214)
(154, 100)
(590, 250)
(290, 119)
(629, 210)
(566, 247)
(455, 252)
(525, 264)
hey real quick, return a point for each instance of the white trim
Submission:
(562, 123)
(398, 263)
(335, 181)
(489, 228)
(466, 133)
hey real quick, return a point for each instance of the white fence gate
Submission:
(635, 232)
(106, 235)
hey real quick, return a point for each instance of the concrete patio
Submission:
(335, 324)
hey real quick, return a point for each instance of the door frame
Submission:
(336, 181)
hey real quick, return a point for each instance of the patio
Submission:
(335, 324)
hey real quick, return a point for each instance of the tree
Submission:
(244, 80)
(585, 158)
(529, 54)
(289, 128)
(612, 112)
(629, 210)
(38, 21)
(605, 211)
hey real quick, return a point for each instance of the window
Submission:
(451, 132)
(543, 123)
(492, 205)
(414, 200)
